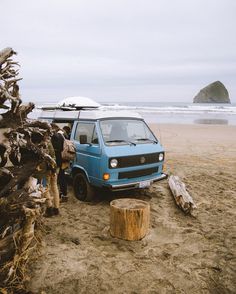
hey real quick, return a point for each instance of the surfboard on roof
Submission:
(78, 102)
(74, 103)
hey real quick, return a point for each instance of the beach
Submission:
(180, 254)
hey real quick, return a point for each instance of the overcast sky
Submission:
(121, 50)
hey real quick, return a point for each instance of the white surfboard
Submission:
(78, 103)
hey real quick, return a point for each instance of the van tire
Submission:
(82, 189)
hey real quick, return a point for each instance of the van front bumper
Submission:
(134, 185)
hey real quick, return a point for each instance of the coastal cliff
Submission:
(213, 93)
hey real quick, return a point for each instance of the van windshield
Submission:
(125, 131)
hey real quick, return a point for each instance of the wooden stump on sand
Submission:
(129, 218)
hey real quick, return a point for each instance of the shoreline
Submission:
(190, 119)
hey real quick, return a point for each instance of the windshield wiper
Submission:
(146, 139)
(120, 141)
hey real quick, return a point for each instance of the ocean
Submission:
(176, 112)
(180, 112)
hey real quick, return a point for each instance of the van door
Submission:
(88, 155)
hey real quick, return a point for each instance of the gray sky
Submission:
(121, 50)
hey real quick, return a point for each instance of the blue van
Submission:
(115, 150)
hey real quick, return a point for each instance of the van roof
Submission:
(103, 113)
(87, 114)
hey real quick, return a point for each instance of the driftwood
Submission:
(182, 197)
(23, 150)
(5, 54)
(21, 245)
(11, 118)
(129, 218)
(28, 228)
(19, 176)
(9, 92)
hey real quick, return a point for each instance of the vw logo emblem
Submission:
(142, 159)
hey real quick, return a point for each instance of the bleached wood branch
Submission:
(5, 54)
(182, 197)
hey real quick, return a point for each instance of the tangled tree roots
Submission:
(22, 152)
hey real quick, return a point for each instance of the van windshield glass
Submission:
(122, 132)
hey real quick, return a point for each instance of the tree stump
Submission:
(129, 218)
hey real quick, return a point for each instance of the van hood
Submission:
(129, 150)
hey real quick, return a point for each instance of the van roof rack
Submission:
(67, 108)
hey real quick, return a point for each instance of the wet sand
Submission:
(181, 254)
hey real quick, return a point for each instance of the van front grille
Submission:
(137, 173)
(135, 160)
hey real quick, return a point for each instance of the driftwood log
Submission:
(182, 197)
(129, 218)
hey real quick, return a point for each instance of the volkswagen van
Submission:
(115, 150)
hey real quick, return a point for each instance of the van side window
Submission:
(87, 129)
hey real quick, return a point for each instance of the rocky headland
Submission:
(213, 93)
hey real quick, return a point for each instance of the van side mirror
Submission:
(83, 139)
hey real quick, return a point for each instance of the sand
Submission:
(181, 254)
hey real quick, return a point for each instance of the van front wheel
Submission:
(82, 189)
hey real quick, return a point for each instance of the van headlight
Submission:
(161, 156)
(113, 163)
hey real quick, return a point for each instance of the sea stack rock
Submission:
(213, 93)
